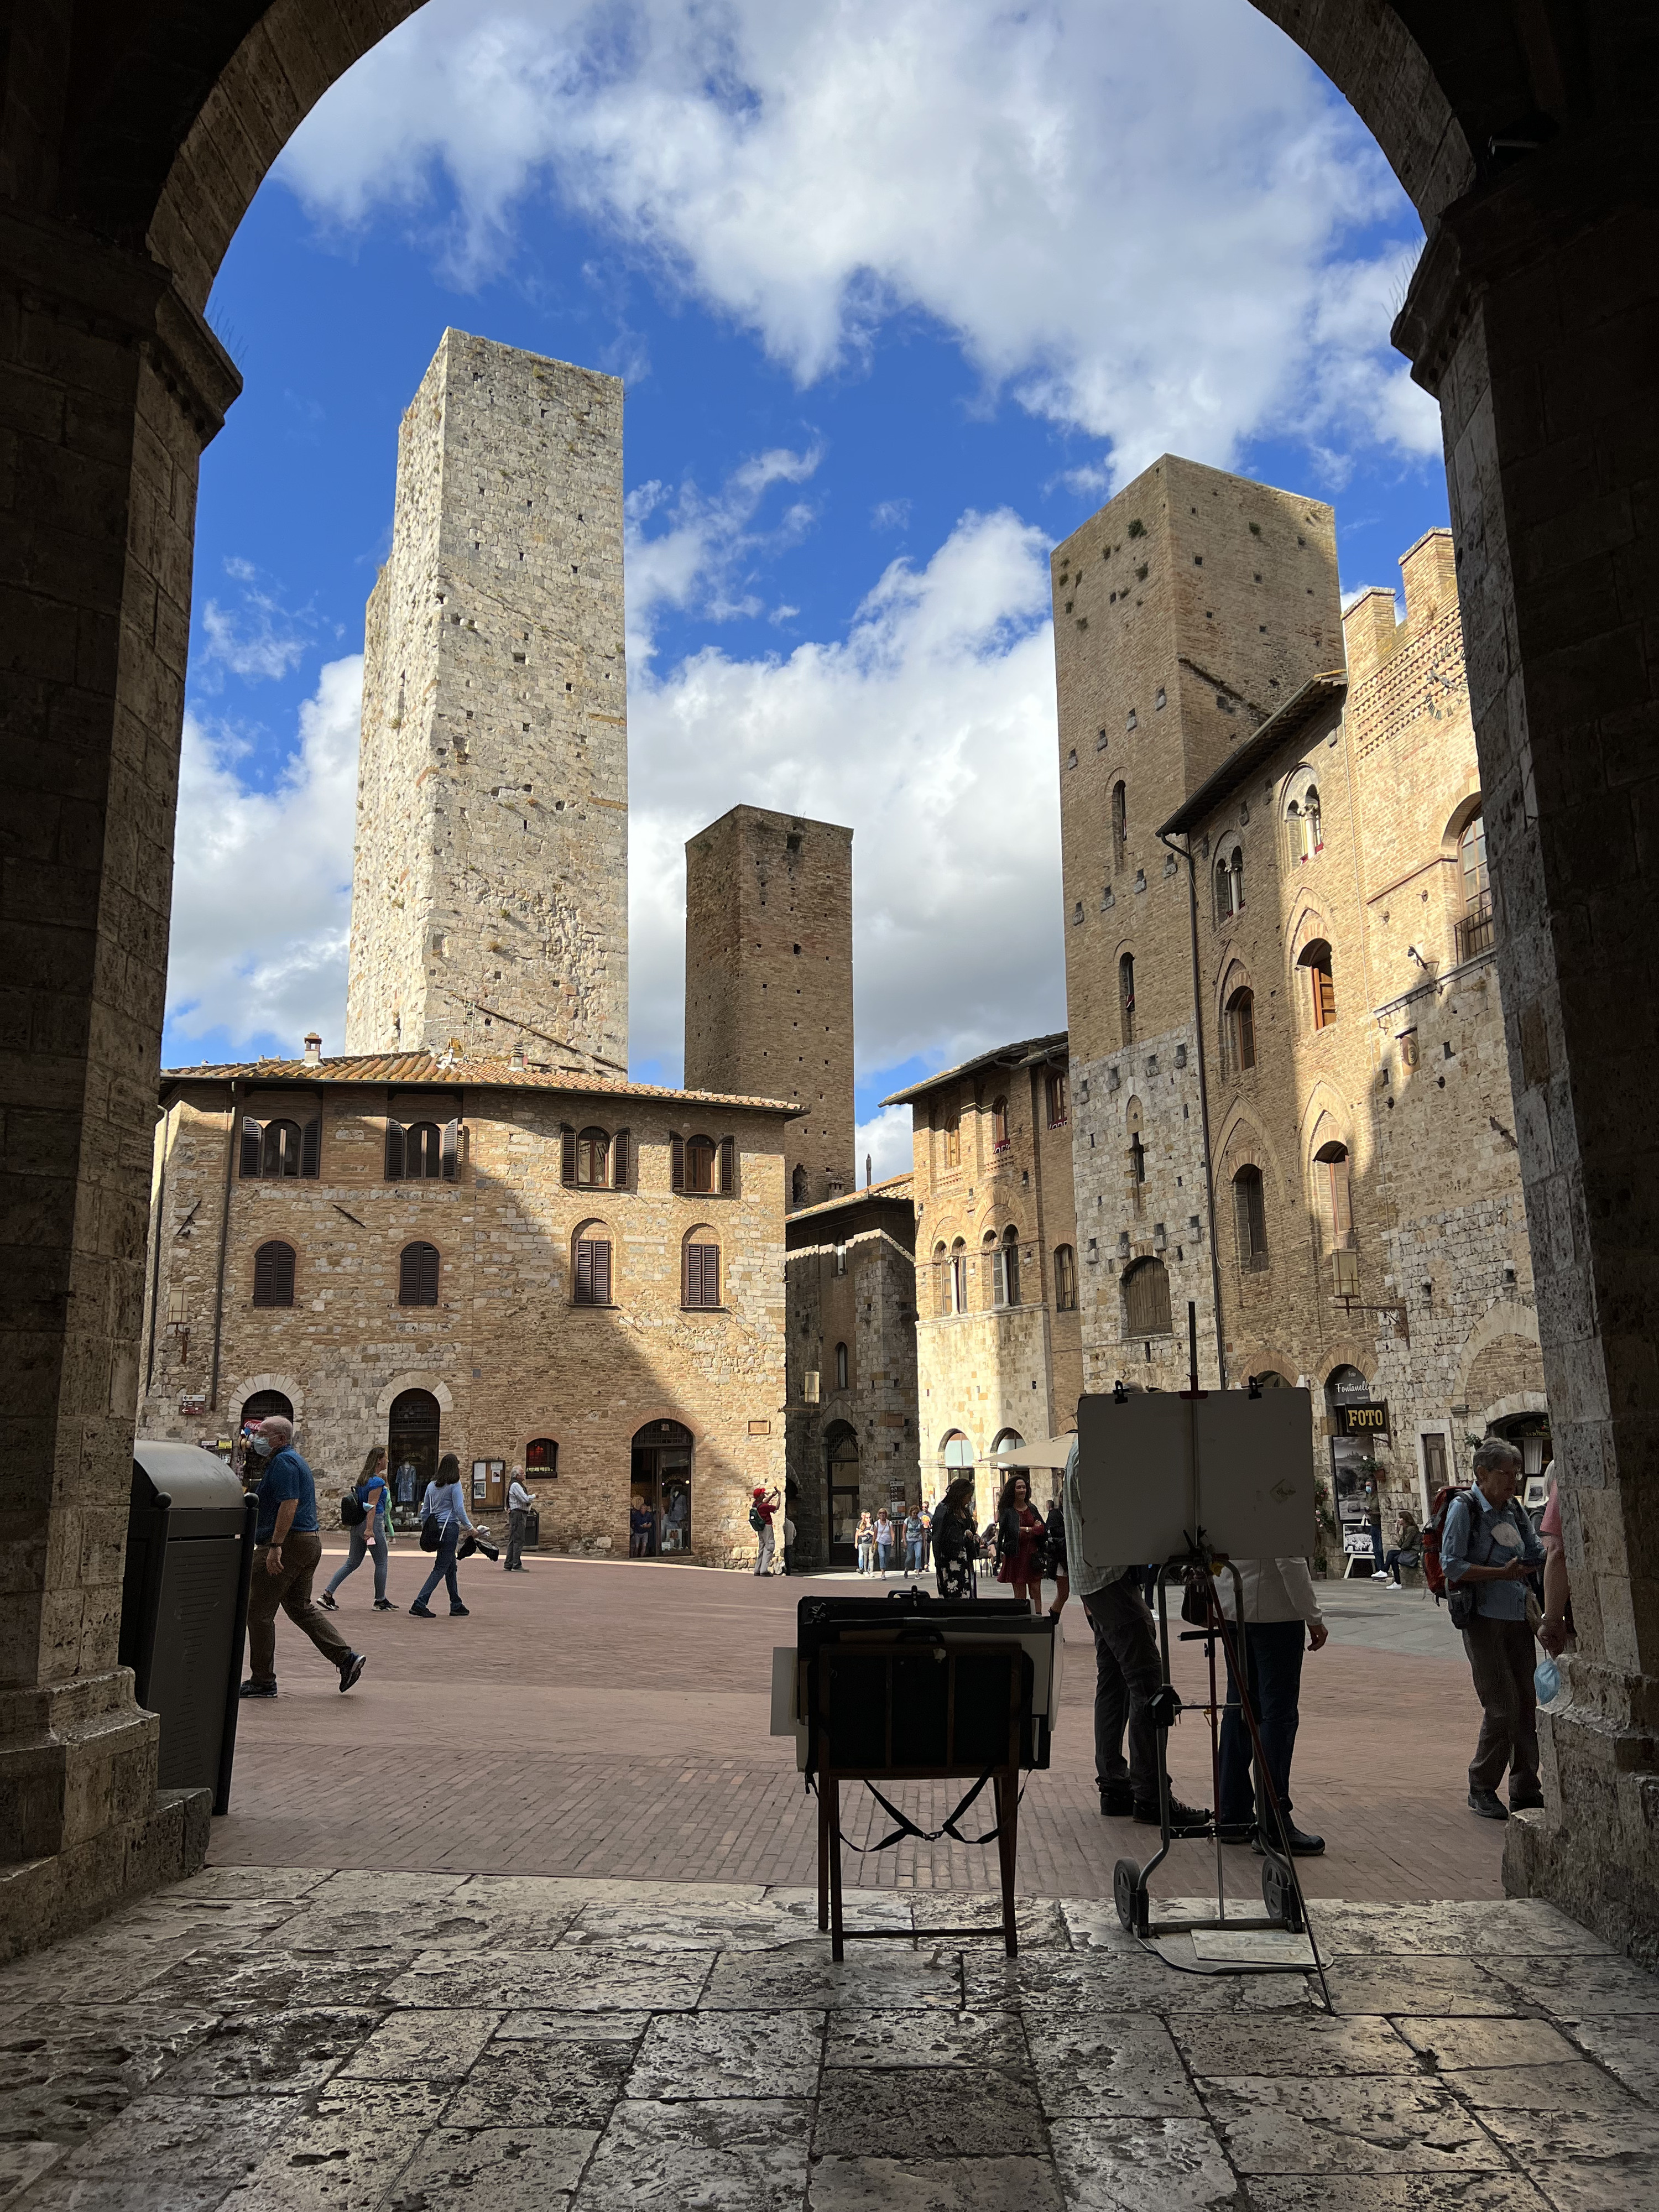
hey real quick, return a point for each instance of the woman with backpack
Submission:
(444, 1509)
(372, 1494)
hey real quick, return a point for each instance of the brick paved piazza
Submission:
(571, 1963)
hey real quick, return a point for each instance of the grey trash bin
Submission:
(184, 1607)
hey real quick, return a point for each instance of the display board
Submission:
(1153, 1469)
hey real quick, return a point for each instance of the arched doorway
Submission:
(1354, 1465)
(412, 1452)
(264, 1406)
(660, 1484)
(841, 1445)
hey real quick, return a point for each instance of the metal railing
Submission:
(1478, 931)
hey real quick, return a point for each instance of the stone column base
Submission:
(1593, 1850)
(42, 1900)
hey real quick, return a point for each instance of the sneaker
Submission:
(325, 1599)
(423, 1612)
(384, 1605)
(1379, 1576)
(253, 1689)
(1116, 1800)
(1488, 1804)
(1302, 1845)
(1184, 1819)
(1526, 1800)
(351, 1670)
(456, 1612)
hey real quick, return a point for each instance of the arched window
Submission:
(1126, 998)
(1250, 1219)
(541, 1456)
(959, 1277)
(958, 1452)
(273, 1275)
(1224, 892)
(1237, 871)
(1055, 1088)
(697, 1164)
(1146, 1299)
(798, 1188)
(953, 1137)
(1064, 1279)
(422, 1149)
(591, 1279)
(279, 1148)
(262, 1405)
(1240, 1029)
(701, 1271)
(592, 1159)
(999, 1125)
(941, 1280)
(1316, 959)
(1332, 1161)
(1476, 932)
(1120, 827)
(1008, 1265)
(1313, 821)
(417, 1275)
(841, 1367)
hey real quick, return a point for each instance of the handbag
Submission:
(432, 1533)
(353, 1512)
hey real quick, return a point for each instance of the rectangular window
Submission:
(1434, 1461)
(702, 1274)
(1056, 1090)
(593, 1271)
(1064, 1279)
(1249, 1205)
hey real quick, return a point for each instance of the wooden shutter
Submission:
(568, 1170)
(417, 1275)
(1011, 1273)
(1341, 1203)
(621, 1161)
(583, 1271)
(451, 1148)
(252, 1145)
(728, 1166)
(273, 1275)
(311, 1147)
(1246, 1021)
(394, 1152)
(677, 1163)
(711, 1273)
(600, 1249)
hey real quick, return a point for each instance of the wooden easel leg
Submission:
(1007, 1796)
(826, 1834)
(837, 1944)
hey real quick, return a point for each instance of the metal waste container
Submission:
(533, 1528)
(184, 1607)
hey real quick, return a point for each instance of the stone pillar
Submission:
(1535, 318)
(110, 387)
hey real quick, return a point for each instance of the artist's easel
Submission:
(1257, 1499)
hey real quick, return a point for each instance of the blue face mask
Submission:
(262, 1446)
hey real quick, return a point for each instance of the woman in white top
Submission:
(1280, 1612)
(445, 1503)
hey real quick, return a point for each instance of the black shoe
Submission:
(1184, 1819)
(456, 1612)
(1526, 1800)
(1488, 1804)
(1116, 1800)
(1302, 1845)
(325, 1600)
(384, 1605)
(253, 1689)
(351, 1671)
(423, 1612)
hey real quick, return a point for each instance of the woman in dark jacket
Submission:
(1054, 1558)
(956, 1546)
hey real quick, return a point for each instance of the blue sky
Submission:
(900, 293)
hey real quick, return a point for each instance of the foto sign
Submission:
(1367, 1420)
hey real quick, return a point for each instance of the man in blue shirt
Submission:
(287, 1548)
(1488, 1550)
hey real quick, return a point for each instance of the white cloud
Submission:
(890, 515)
(706, 559)
(262, 879)
(884, 1141)
(1157, 225)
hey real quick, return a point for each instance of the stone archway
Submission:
(135, 140)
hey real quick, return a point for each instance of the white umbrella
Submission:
(1053, 1451)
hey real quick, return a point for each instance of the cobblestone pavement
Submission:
(275, 2040)
(612, 1720)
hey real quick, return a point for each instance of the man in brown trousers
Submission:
(287, 1547)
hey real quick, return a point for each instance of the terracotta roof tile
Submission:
(427, 1070)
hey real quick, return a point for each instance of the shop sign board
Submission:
(1367, 1420)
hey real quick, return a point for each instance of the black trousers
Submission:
(1126, 1676)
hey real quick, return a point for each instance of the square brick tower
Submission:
(490, 877)
(769, 981)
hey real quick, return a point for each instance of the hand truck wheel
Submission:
(1279, 1895)
(1131, 1898)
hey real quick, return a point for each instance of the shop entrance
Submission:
(1530, 1435)
(412, 1453)
(843, 1447)
(659, 1491)
(264, 1406)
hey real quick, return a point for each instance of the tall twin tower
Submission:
(490, 904)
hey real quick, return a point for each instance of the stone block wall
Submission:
(490, 876)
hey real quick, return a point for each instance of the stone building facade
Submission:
(490, 875)
(999, 1353)
(850, 1272)
(528, 1268)
(768, 980)
(1286, 980)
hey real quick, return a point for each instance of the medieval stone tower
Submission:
(769, 981)
(490, 878)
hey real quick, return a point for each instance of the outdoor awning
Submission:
(1052, 1451)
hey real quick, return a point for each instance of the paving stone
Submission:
(121, 2192)
(1371, 2123)
(292, 2051)
(1092, 1981)
(1583, 2090)
(1306, 2049)
(1141, 2166)
(992, 2040)
(404, 1934)
(864, 1908)
(942, 2184)
(422, 2045)
(1093, 1925)
(729, 2155)
(1481, 2043)
(1628, 2048)
(1579, 1988)
(255, 1881)
(573, 2027)
(504, 2169)
(887, 1976)
(996, 2115)
(1395, 2192)
(593, 1979)
(360, 1889)
(1039, 1922)
(195, 2139)
(338, 2158)
(1424, 1986)
(79, 1973)
(280, 1981)
(568, 2084)
(65, 2070)
(688, 1933)
(1572, 2136)
(730, 2054)
(1109, 2066)
(24, 2162)
(1609, 2179)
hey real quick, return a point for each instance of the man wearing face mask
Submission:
(287, 1547)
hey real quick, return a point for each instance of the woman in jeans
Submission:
(444, 1503)
(864, 1538)
(370, 1533)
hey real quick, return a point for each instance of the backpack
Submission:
(757, 1520)
(353, 1512)
(1430, 1536)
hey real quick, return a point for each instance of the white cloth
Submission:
(1274, 1589)
(518, 1497)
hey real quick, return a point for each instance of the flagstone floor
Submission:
(297, 2041)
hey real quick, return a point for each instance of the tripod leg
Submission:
(1007, 1793)
(837, 1943)
(825, 1842)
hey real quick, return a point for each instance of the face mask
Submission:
(263, 1447)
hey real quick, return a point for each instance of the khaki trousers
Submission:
(290, 1588)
